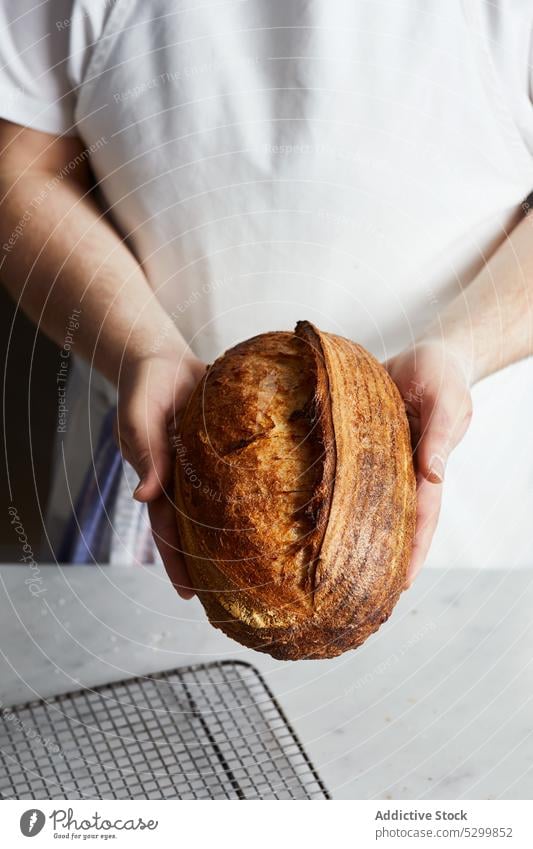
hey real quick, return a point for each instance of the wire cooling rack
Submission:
(213, 731)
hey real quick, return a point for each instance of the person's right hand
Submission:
(434, 382)
(151, 393)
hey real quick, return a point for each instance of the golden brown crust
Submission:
(295, 493)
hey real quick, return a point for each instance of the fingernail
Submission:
(138, 488)
(436, 469)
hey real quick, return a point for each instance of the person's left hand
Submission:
(434, 383)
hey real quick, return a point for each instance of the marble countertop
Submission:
(436, 705)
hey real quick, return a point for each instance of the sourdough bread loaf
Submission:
(295, 493)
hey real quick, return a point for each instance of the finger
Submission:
(429, 497)
(144, 442)
(165, 532)
(444, 420)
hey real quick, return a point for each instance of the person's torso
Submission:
(351, 163)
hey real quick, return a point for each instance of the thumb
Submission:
(444, 420)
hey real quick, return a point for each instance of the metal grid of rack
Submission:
(212, 731)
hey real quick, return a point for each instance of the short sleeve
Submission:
(35, 88)
(508, 37)
(530, 66)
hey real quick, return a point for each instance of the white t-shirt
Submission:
(352, 162)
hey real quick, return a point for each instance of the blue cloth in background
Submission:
(87, 537)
